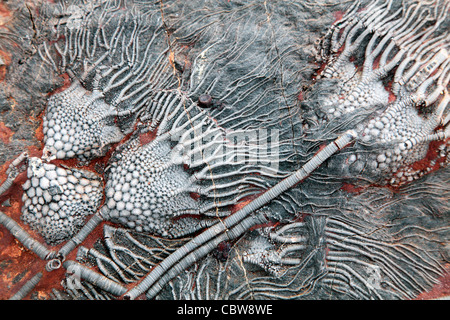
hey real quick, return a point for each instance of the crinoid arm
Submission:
(111, 60)
(369, 47)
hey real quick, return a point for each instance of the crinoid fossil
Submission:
(216, 150)
(57, 200)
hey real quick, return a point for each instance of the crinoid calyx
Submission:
(79, 123)
(115, 61)
(57, 201)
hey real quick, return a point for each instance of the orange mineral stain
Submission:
(440, 290)
(5, 61)
(5, 14)
(5, 133)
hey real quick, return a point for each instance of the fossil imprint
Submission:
(341, 195)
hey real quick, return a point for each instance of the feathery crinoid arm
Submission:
(117, 60)
(387, 76)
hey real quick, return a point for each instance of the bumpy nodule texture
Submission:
(57, 201)
(78, 123)
(145, 190)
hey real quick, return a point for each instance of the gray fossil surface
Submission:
(226, 149)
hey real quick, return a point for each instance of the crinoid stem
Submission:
(7, 184)
(27, 287)
(24, 237)
(186, 255)
(81, 272)
(12, 172)
(82, 234)
(203, 250)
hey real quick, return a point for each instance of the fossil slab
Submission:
(249, 149)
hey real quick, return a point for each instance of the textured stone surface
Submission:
(189, 110)
(56, 201)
